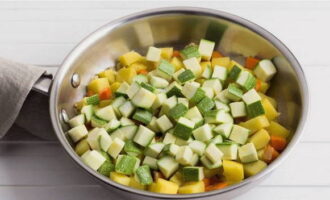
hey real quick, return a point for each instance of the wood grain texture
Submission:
(43, 32)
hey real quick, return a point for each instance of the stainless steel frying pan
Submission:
(234, 36)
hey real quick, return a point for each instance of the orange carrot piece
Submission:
(105, 94)
(143, 71)
(176, 53)
(251, 62)
(216, 54)
(258, 85)
(277, 142)
(269, 154)
(216, 186)
(207, 181)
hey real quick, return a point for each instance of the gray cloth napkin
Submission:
(16, 82)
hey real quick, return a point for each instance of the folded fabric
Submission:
(16, 81)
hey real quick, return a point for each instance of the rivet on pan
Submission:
(64, 116)
(75, 80)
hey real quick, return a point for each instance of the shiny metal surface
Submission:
(234, 36)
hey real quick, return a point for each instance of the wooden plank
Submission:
(47, 164)
(67, 23)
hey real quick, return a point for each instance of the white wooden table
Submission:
(44, 32)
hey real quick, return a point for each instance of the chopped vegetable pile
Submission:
(179, 122)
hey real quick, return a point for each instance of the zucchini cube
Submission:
(203, 133)
(205, 49)
(190, 52)
(165, 69)
(126, 109)
(221, 106)
(97, 122)
(193, 64)
(197, 147)
(116, 147)
(93, 159)
(209, 164)
(122, 90)
(143, 136)
(154, 149)
(164, 123)
(239, 134)
(178, 111)
(158, 82)
(174, 89)
(169, 138)
(125, 164)
(124, 121)
(229, 150)
(77, 120)
(132, 90)
(251, 96)
(153, 54)
(217, 139)
(140, 78)
(233, 92)
(144, 98)
(220, 73)
(215, 84)
(168, 104)
(217, 117)
(168, 166)
(238, 109)
(184, 101)
(205, 105)
(186, 76)
(159, 101)
(171, 149)
(143, 175)
(222, 96)
(234, 72)
(192, 174)
(194, 160)
(177, 73)
(147, 86)
(207, 73)
(151, 162)
(117, 103)
(143, 116)
(153, 125)
(223, 129)
(183, 128)
(189, 89)
(184, 155)
(213, 153)
(247, 153)
(112, 125)
(88, 112)
(209, 92)
(194, 115)
(246, 80)
(78, 132)
(106, 113)
(182, 142)
(255, 109)
(132, 149)
(265, 70)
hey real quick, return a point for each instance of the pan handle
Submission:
(45, 81)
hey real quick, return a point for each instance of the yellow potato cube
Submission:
(114, 86)
(192, 187)
(277, 129)
(177, 178)
(135, 184)
(260, 139)
(222, 61)
(177, 63)
(82, 147)
(260, 153)
(205, 64)
(264, 87)
(138, 66)
(109, 74)
(129, 58)
(98, 84)
(164, 186)
(120, 178)
(233, 171)
(232, 63)
(166, 53)
(270, 99)
(126, 74)
(256, 123)
(253, 168)
(270, 111)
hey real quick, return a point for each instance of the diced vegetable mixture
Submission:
(179, 122)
